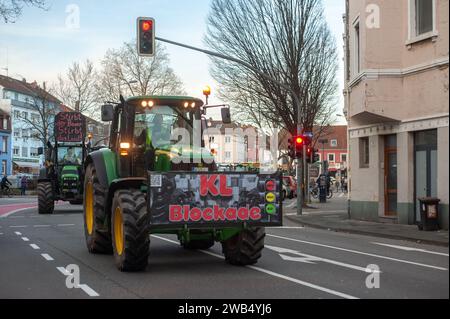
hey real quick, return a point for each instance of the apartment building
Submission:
(396, 103)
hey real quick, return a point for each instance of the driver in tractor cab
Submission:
(71, 157)
(148, 139)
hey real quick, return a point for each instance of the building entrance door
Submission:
(425, 167)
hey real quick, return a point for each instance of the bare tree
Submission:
(77, 89)
(288, 40)
(125, 72)
(40, 122)
(10, 10)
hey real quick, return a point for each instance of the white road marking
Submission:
(359, 252)
(412, 249)
(91, 292)
(274, 274)
(286, 227)
(309, 258)
(88, 290)
(35, 247)
(25, 239)
(47, 257)
(21, 226)
(1, 233)
(17, 233)
(41, 226)
(65, 225)
(17, 217)
(291, 204)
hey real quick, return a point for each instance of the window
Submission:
(227, 139)
(356, 49)
(24, 151)
(334, 143)
(16, 151)
(5, 144)
(364, 152)
(343, 158)
(331, 157)
(35, 118)
(4, 167)
(16, 114)
(24, 115)
(422, 18)
(34, 152)
(227, 155)
(17, 133)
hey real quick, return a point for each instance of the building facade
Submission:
(22, 100)
(5, 140)
(396, 103)
(333, 150)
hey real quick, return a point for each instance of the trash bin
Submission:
(429, 213)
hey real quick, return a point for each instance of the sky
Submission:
(42, 44)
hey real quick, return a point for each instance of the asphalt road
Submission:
(296, 263)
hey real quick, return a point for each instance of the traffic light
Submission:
(146, 36)
(296, 146)
(312, 155)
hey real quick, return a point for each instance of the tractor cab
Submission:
(69, 166)
(158, 133)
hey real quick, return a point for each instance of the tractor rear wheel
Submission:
(130, 230)
(46, 203)
(96, 225)
(244, 248)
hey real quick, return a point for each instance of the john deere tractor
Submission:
(62, 176)
(156, 177)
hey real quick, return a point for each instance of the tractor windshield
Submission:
(162, 126)
(70, 155)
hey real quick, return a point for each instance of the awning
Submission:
(27, 164)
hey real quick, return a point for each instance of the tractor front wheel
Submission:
(130, 230)
(96, 227)
(46, 203)
(244, 248)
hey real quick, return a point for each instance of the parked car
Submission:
(289, 187)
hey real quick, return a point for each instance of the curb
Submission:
(367, 233)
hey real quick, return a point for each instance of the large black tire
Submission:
(244, 248)
(130, 224)
(46, 203)
(96, 222)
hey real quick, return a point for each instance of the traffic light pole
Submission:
(264, 75)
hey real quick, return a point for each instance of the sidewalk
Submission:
(338, 221)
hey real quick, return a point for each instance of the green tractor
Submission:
(151, 181)
(62, 176)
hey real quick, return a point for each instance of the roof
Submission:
(338, 132)
(31, 89)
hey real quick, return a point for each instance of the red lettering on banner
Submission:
(219, 213)
(243, 213)
(196, 214)
(175, 213)
(224, 189)
(208, 214)
(208, 185)
(255, 213)
(231, 214)
(185, 213)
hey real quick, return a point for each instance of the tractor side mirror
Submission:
(40, 151)
(107, 113)
(226, 115)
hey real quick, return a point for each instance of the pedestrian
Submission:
(23, 185)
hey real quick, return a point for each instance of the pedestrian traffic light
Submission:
(146, 36)
(312, 155)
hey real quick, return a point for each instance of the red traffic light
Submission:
(147, 25)
(299, 140)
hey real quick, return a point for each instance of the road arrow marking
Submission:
(309, 259)
(412, 249)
